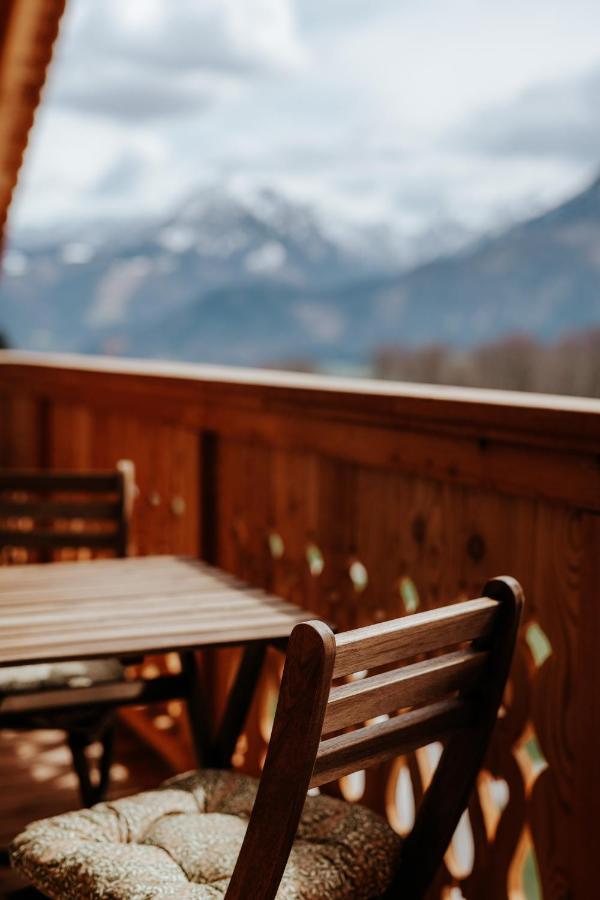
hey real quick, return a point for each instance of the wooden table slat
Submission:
(153, 626)
(62, 623)
(131, 606)
(72, 574)
(102, 597)
(141, 566)
(159, 643)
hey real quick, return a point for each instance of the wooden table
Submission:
(137, 606)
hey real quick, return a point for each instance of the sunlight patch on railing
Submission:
(353, 786)
(358, 575)
(400, 805)
(530, 757)
(315, 560)
(409, 594)
(276, 545)
(538, 643)
(494, 796)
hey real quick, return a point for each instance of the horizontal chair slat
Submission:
(124, 693)
(355, 750)
(57, 539)
(399, 639)
(60, 481)
(411, 685)
(55, 509)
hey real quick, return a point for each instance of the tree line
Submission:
(570, 365)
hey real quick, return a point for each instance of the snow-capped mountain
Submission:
(255, 279)
(71, 289)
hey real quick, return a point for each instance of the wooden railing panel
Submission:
(367, 502)
(443, 548)
(165, 515)
(21, 429)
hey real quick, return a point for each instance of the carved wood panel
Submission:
(358, 545)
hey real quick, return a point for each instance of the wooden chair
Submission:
(42, 514)
(434, 676)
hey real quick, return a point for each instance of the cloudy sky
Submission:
(415, 112)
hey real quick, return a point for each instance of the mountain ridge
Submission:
(262, 281)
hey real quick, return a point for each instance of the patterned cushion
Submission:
(183, 840)
(49, 676)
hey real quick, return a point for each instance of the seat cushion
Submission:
(183, 840)
(50, 676)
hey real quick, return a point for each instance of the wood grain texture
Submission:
(430, 489)
(59, 509)
(241, 695)
(448, 794)
(50, 511)
(48, 532)
(299, 757)
(290, 757)
(413, 684)
(106, 621)
(28, 29)
(97, 482)
(122, 693)
(391, 641)
(56, 540)
(486, 438)
(367, 746)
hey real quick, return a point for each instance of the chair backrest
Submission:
(433, 676)
(42, 512)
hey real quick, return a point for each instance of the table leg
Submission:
(198, 708)
(238, 704)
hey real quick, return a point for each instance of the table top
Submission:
(134, 606)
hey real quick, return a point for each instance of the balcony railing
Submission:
(366, 501)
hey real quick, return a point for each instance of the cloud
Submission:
(145, 58)
(322, 16)
(222, 35)
(124, 174)
(557, 119)
(377, 111)
(130, 93)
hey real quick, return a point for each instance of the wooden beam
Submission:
(28, 30)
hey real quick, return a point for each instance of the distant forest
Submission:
(570, 365)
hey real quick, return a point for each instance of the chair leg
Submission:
(108, 739)
(78, 742)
